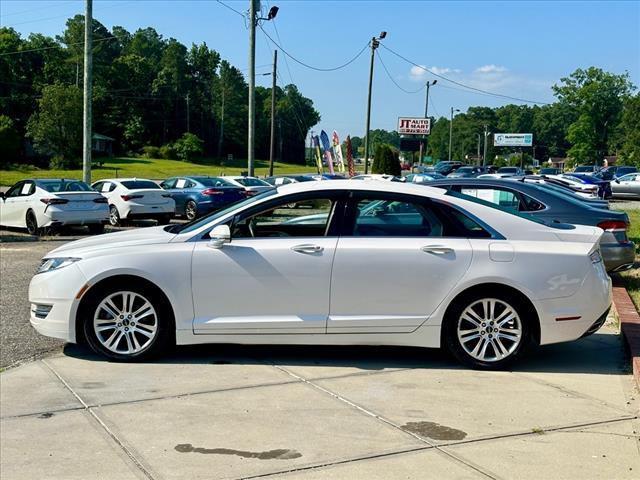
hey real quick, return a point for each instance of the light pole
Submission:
(479, 149)
(484, 156)
(253, 22)
(272, 144)
(426, 115)
(375, 41)
(451, 129)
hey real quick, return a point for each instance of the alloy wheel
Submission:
(489, 330)
(125, 322)
(32, 224)
(114, 216)
(191, 210)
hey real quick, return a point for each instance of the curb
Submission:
(630, 327)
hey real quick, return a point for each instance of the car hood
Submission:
(138, 236)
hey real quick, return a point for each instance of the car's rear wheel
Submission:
(191, 210)
(164, 219)
(127, 323)
(114, 216)
(96, 228)
(488, 331)
(32, 224)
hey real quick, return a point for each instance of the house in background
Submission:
(102, 145)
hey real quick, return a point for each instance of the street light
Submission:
(451, 129)
(375, 42)
(253, 21)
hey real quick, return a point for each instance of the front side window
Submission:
(303, 218)
(169, 184)
(15, 190)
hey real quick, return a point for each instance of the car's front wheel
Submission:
(191, 210)
(488, 331)
(127, 323)
(114, 216)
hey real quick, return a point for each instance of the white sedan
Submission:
(136, 198)
(38, 204)
(251, 185)
(375, 263)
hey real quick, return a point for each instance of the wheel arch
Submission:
(121, 280)
(491, 288)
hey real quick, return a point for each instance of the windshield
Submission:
(213, 181)
(252, 182)
(137, 184)
(200, 222)
(55, 186)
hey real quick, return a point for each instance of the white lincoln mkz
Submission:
(367, 263)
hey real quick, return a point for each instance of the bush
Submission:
(386, 161)
(188, 146)
(168, 152)
(150, 151)
(9, 141)
(58, 162)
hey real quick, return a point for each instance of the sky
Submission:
(516, 48)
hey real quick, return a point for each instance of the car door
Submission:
(626, 185)
(274, 276)
(396, 260)
(12, 211)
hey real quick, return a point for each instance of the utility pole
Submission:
(478, 150)
(221, 137)
(188, 115)
(484, 156)
(272, 146)
(451, 129)
(252, 87)
(374, 44)
(426, 115)
(86, 103)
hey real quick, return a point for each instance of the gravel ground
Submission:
(625, 204)
(18, 339)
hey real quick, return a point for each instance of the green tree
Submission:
(9, 141)
(597, 97)
(188, 146)
(56, 128)
(630, 131)
(386, 161)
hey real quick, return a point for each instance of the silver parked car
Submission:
(627, 186)
(252, 185)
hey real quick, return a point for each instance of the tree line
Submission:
(596, 114)
(151, 95)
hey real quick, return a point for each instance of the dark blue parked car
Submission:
(199, 195)
(604, 187)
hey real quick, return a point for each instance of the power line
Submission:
(118, 4)
(486, 92)
(58, 45)
(319, 69)
(232, 9)
(393, 80)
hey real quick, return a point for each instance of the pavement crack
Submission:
(106, 428)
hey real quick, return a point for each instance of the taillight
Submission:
(212, 191)
(126, 198)
(614, 225)
(54, 201)
(249, 193)
(100, 200)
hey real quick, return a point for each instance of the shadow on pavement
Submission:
(597, 354)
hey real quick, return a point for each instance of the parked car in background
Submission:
(458, 273)
(326, 176)
(551, 207)
(586, 181)
(377, 176)
(135, 199)
(510, 171)
(422, 177)
(38, 204)
(467, 172)
(586, 169)
(627, 186)
(199, 195)
(558, 185)
(445, 167)
(615, 171)
(278, 180)
(251, 185)
(550, 171)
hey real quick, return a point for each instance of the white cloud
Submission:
(418, 73)
(491, 69)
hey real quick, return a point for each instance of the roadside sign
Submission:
(414, 126)
(513, 139)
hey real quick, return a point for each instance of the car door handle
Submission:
(436, 249)
(307, 248)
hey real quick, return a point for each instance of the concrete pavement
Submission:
(568, 411)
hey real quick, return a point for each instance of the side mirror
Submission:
(219, 236)
(617, 180)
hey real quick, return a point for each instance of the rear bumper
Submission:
(80, 217)
(618, 256)
(148, 211)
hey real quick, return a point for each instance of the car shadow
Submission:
(598, 354)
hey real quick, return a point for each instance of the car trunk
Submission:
(78, 200)
(149, 196)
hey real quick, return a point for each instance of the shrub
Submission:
(188, 146)
(386, 161)
(9, 140)
(58, 162)
(150, 151)
(168, 152)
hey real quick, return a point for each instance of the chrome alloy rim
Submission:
(114, 217)
(125, 322)
(489, 330)
(191, 210)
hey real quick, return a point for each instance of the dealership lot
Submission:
(568, 411)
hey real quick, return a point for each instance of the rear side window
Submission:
(214, 182)
(171, 183)
(137, 184)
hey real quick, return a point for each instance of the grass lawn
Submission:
(153, 168)
(631, 278)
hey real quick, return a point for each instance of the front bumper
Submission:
(55, 293)
(618, 256)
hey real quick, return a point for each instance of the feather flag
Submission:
(326, 145)
(318, 154)
(350, 165)
(337, 151)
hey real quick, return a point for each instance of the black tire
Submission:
(32, 224)
(164, 220)
(191, 210)
(163, 337)
(114, 216)
(457, 318)
(96, 228)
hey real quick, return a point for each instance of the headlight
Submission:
(55, 263)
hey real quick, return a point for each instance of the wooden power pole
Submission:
(88, 81)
